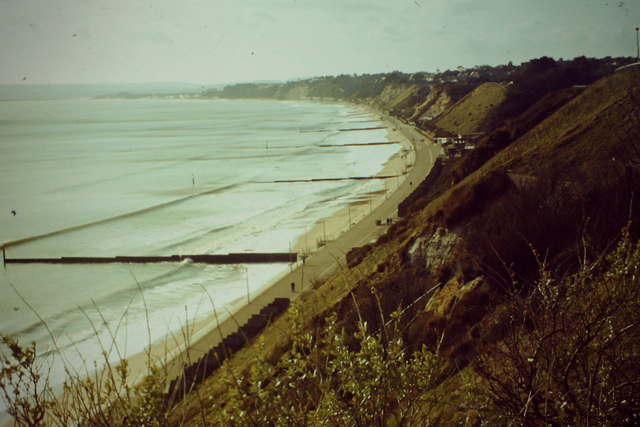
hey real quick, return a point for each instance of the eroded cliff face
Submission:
(437, 103)
(563, 188)
(449, 317)
(395, 96)
(432, 251)
(297, 92)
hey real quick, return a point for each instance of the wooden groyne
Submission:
(355, 178)
(358, 144)
(199, 370)
(340, 130)
(357, 129)
(237, 258)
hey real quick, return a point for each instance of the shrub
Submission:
(571, 353)
(335, 379)
(24, 389)
(104, 398)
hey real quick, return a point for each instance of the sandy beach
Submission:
(333, 227)
(323, 247)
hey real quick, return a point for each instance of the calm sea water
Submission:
(160, 177)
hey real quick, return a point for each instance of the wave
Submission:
(122, 216)
(184, 242)
(59, 320)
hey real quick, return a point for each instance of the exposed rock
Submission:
(451, 313)
(298, 92)
(395, 95)
(444, 298)
(436, 103)
(435, 250)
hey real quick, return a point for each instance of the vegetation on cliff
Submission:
(528, 82)
(525, 223)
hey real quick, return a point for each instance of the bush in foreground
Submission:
(334, 378)
(572, 353)
(102, 398)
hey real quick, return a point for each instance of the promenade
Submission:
(319, 264)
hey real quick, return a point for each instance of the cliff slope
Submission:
(559, 194)
(473, 112)
(490, 245)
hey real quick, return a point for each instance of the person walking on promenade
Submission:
(293, 286)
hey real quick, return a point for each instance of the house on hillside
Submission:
(456, 145)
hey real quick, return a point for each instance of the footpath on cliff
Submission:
(317, 265)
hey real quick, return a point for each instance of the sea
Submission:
(137, 177)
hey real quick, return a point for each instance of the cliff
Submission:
(508, 293)
(500, 235)
(474, 112)
(545, 194)
(569, 180)
(437, 102)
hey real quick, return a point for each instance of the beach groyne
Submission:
(349, 178)
(233, 258)
(358, 144)
(198, 371)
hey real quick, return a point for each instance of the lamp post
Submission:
(290, 252)
(306, 240)
(637, 44)
(246, 272)
(324, 231)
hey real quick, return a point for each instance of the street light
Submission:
(324, 231)
(637, 44)
(246, 272)
(306, 240)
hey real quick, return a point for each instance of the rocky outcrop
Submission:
(433, 251)
(449, 318)
(458, 304)
(438, 101)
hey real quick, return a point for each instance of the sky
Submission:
(225, 41)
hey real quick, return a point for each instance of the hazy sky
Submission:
(220, 41)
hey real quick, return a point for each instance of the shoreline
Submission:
(323, 237)
(207, 332)
(334, 226)
(357, 219)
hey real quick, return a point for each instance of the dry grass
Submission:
(474, 111)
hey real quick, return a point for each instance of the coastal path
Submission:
(326, 260)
